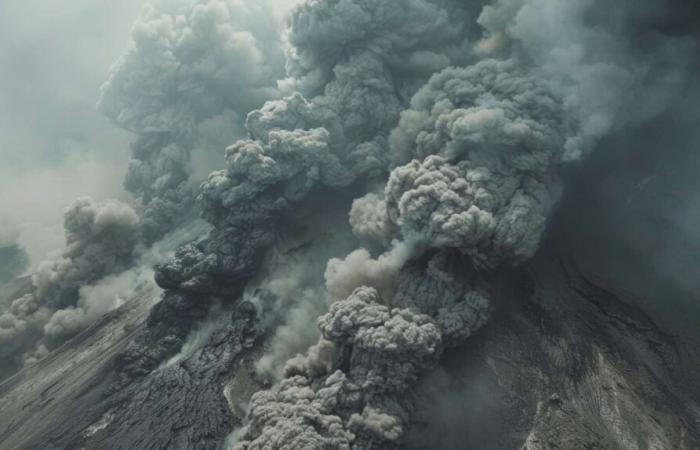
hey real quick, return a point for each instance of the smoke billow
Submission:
(332, 131)
(184, 86)
(598, 58)
(101, 240)
(334, 128)
(360, 269)
(191, 74)
(474, 163)
(354, 381)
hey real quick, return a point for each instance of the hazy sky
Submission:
(54, 145)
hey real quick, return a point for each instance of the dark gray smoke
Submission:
(330, 132)
(474, 167)
(192, 73)
(184, 86)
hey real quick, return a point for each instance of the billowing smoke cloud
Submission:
(293, 161)
(450, 124)
(331, 131)
(94, 301)
(193, 71)
(101, 239)
(349, 390)
(334, 129)
(368, 219)
(103, 267)
(484, 142)
(191, 61)
(474, 164)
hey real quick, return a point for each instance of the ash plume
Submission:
(355, 380)
(484, 143)
(331, 131)
(474, 168)
(184, 86)
(191, 74)
(440, 129)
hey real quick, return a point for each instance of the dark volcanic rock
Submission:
(164, 333)
(179, 405)
(564, 364)
(220, 263)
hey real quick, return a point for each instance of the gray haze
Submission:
(54, 145)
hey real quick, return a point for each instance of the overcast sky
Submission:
(54, 145)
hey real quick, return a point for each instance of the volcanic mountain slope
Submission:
(473, 224)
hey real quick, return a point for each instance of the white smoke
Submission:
(368, 219)
(360, 269)
(294, 335)
(292, 296)
(606, 78)
(96, 300)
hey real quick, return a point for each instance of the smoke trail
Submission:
(331, 132)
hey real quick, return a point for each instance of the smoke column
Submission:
(473, 162)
